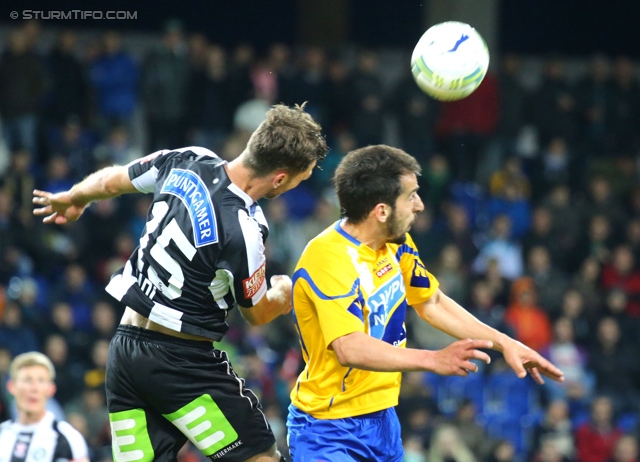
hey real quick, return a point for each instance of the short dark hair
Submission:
(287, 139)
(370, 176)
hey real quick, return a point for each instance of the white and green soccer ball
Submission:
(450, 60)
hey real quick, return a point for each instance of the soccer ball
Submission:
(449, 61)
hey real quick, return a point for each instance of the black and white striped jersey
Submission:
(49, 440)
(202, 249)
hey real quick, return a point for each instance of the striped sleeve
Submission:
(143, 172)
(77, 444)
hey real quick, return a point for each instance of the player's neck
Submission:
(30, 418)
(366, 232)
(241, 176)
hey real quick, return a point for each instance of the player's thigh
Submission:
(138, 432)
(205, 400)
(143, 435)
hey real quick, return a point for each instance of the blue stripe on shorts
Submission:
(369, 437)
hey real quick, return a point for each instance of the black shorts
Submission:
(163, 390)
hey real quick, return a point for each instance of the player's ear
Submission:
(51, 391)
(11, 387)
(382, 212)
(279, 178)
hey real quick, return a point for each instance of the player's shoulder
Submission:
(74, 438)
(5, 425)
(199, 150)
(328, 240)
(187, 154)
(330, 251)
(407, 247)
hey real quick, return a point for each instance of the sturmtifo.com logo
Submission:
(74, 14)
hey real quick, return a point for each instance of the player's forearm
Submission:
(445, 314)
(362, 351)
(276, 301)
(106, 183)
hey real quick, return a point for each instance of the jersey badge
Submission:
(252, 284)
(193, 193)
(420, 276)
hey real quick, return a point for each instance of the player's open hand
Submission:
(523, 359)
(56, 208)
(456, 358)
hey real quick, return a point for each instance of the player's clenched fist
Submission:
(282, 283)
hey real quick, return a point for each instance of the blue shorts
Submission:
(364, 438)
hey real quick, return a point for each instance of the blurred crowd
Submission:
(532, 222)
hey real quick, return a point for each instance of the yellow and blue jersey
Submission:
(341, 286)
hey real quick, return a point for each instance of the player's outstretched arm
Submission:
(275, 302)
(362, 351)
(67, 206)
(445, 314)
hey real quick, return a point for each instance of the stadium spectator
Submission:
(22, 86)
(338, 96)
(309, 83)
(464, 128)
(596, 438)
(622, 273)
(417, 114)
(209, 107)
(472, 434)
(164, 80)
(68, 91)
(500, 245)
(615, 306)
(579, 382)
(69, 374)
(447, 445)
(602, 200)
(451, 273)
(529, 322)
(63, 323)
(545, 275)
(14, 333)
(555, 427)
(513, 203)
(501, 451)
(510, 172)
(436, 181)
(595, 101)
(616, 366)
(554, 104)
(117, 148)
(514, 102)
(113, 75)
(625, 117)
(367, 99)
(626, 449)
(587, 282)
